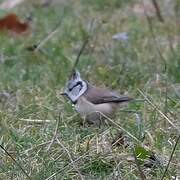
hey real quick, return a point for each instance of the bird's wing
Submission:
(112, 99)
(99, 96)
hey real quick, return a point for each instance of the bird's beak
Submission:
(63, 94)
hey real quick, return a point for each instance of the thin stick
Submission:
(155, 40)
(68, 153)
(69, 164)
(86, 40)
(159, 52)
(79, 54)
(158, 11)
(154, 37)
(16, 162)
(143, 177)
(117, 125)
(35, 147)
(35, 120)
(158, 110)
(172, 153)
(55, 134)
(41, 43)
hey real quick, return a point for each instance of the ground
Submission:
(41, 130)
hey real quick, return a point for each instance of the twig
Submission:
(16, 162)
(158, 110)
(86, 40)
(143, 177)
(35, 147)
(155, 40)
(118, 126)
(69, 164)
(36, 120)
(79, 54)
(68, 153)
(172, 153)
(159, 52)
(36, 47)
(55, 134)
(158, 11)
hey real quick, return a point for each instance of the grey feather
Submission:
(99, 95)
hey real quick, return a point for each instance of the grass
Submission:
(30, 84)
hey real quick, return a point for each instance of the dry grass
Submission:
(41, 130)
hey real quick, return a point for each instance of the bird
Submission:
(91, 102)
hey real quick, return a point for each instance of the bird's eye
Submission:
(77, 84)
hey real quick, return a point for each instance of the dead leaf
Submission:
(12, 23)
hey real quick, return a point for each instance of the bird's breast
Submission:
(85, 107)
